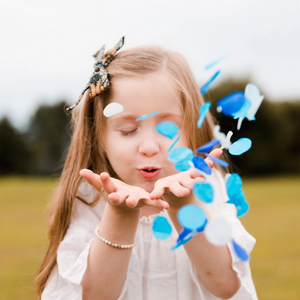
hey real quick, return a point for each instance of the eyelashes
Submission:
(129, 132)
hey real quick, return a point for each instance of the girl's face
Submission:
(136, 151)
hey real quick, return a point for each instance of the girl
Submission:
(122, 259)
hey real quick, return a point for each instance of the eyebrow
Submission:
(134, 117)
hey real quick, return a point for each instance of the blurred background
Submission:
(46, 60)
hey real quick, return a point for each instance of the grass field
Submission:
(273, 220)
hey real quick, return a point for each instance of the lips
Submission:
(149, 172)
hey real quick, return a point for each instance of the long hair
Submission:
(88, 126)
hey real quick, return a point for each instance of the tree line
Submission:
(275, 135)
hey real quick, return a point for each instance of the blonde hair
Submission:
(87, 149)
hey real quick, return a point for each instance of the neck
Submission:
(149, 210)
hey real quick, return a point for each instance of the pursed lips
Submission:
(149, 172)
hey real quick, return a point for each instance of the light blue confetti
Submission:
(202, 113)
(212, 64)
(239, 201)
(191, 216)
(217, 160)
(240, 146)
(233, 184)
(167, 128)
(182, 165)
(180, 153)
(204, 192)
(143, 117)
(207, 85)
(240, 252)
(161, 228)
(173, 144)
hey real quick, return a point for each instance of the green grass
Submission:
(273, 220)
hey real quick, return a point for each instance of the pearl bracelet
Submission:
(111, 243)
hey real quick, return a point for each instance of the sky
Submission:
(47, 46)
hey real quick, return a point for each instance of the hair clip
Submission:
(99, 81)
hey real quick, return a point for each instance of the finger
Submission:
(107, 183)
(132, 201)
(117, 198)
(158, 192)
(92, 178)
(187, 182)
(215, 153)
(178, 190)
(155, 203)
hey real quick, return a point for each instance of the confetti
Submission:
(212, 64)
(180, 153)
(167, 128)
(218, 232)
(200, 164)
(143, 117)
(202, 113)
(173, 144)
(224, 139)
(239, 201)
(233, 184)
(207, 85)
(218, 161)
(204, 192)
(182, 165)
(253, 94)
(112, 109)
(208, 146)
(191, 216)
(161, 228)
(240, 252)
(231, 104)
(241, 146)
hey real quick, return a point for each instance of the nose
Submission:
(149, 146)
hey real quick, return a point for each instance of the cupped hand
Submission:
(119, 193)
(180, 185)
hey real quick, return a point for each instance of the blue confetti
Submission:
(161, 228)
(182, 165)
(180, 153)
(240, 252)
(204, 192)
(207, 85)
(239, 201)
(233, 184)
(143, 117)
(231, 104)
(218, 161)
(200, 164)
(202, 113)
(208, 146)
(173, 144)
(240, 146)
(167, 128)
(212, 64)
(191, 216)
(242, 113)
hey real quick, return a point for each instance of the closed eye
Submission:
(129, 132)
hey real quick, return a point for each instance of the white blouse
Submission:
(155, 272)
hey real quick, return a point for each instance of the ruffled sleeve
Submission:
(73, 251)
(219, 208)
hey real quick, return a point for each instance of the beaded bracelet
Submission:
(111, 243)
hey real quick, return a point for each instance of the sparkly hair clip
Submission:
(99, 82)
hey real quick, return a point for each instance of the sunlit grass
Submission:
(273, 220)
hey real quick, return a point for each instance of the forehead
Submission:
(145, 94)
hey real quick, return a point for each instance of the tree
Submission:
(49, 138)
(15, 157)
